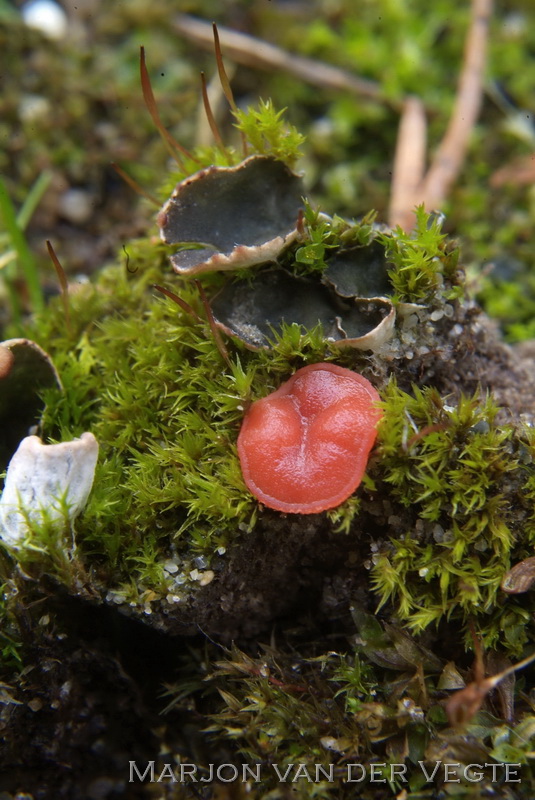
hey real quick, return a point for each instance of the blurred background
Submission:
(71, 103)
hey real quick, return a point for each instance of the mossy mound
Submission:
(172, 535)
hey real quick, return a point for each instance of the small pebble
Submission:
(47, 17)
(456, 330)
(76, 206)
(438, 533)
(33, 107)
(206, 577)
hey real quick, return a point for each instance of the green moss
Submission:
(148, 380)
(421, 260)
(381, 703)
(11, 645)
(266, 132)
(459, 473)
(165, 413)
(323, 236)
(508, 295)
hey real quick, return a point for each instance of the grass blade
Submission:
(33, 199)
(24, 254)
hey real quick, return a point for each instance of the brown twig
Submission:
(409, 163)
(254, 52)
(223, 77)
(433, 188)
(410, 186)
(519, 172)
(448, 161)
(179, 301)
(465, 703)
(439, 426)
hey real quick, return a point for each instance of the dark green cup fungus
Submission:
(226, 218)
(25, 371)
(233, 216)
(251, 311)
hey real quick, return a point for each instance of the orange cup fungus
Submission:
(304, 448)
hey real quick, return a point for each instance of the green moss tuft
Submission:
(457, 470)
(421, 260)
(267, 133)
(324, 235)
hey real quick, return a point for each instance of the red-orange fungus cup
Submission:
(304, 448)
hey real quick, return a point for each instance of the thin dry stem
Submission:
(465, 703)
(225, 83)
(451, 154)
(64, 286)
(178, 300)
(409, 163)
(254, 52)
(176, 150)
(519, 172)
(220, 344)
(210, 117)
(135, 185)
(203, 133)
(432, 189)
